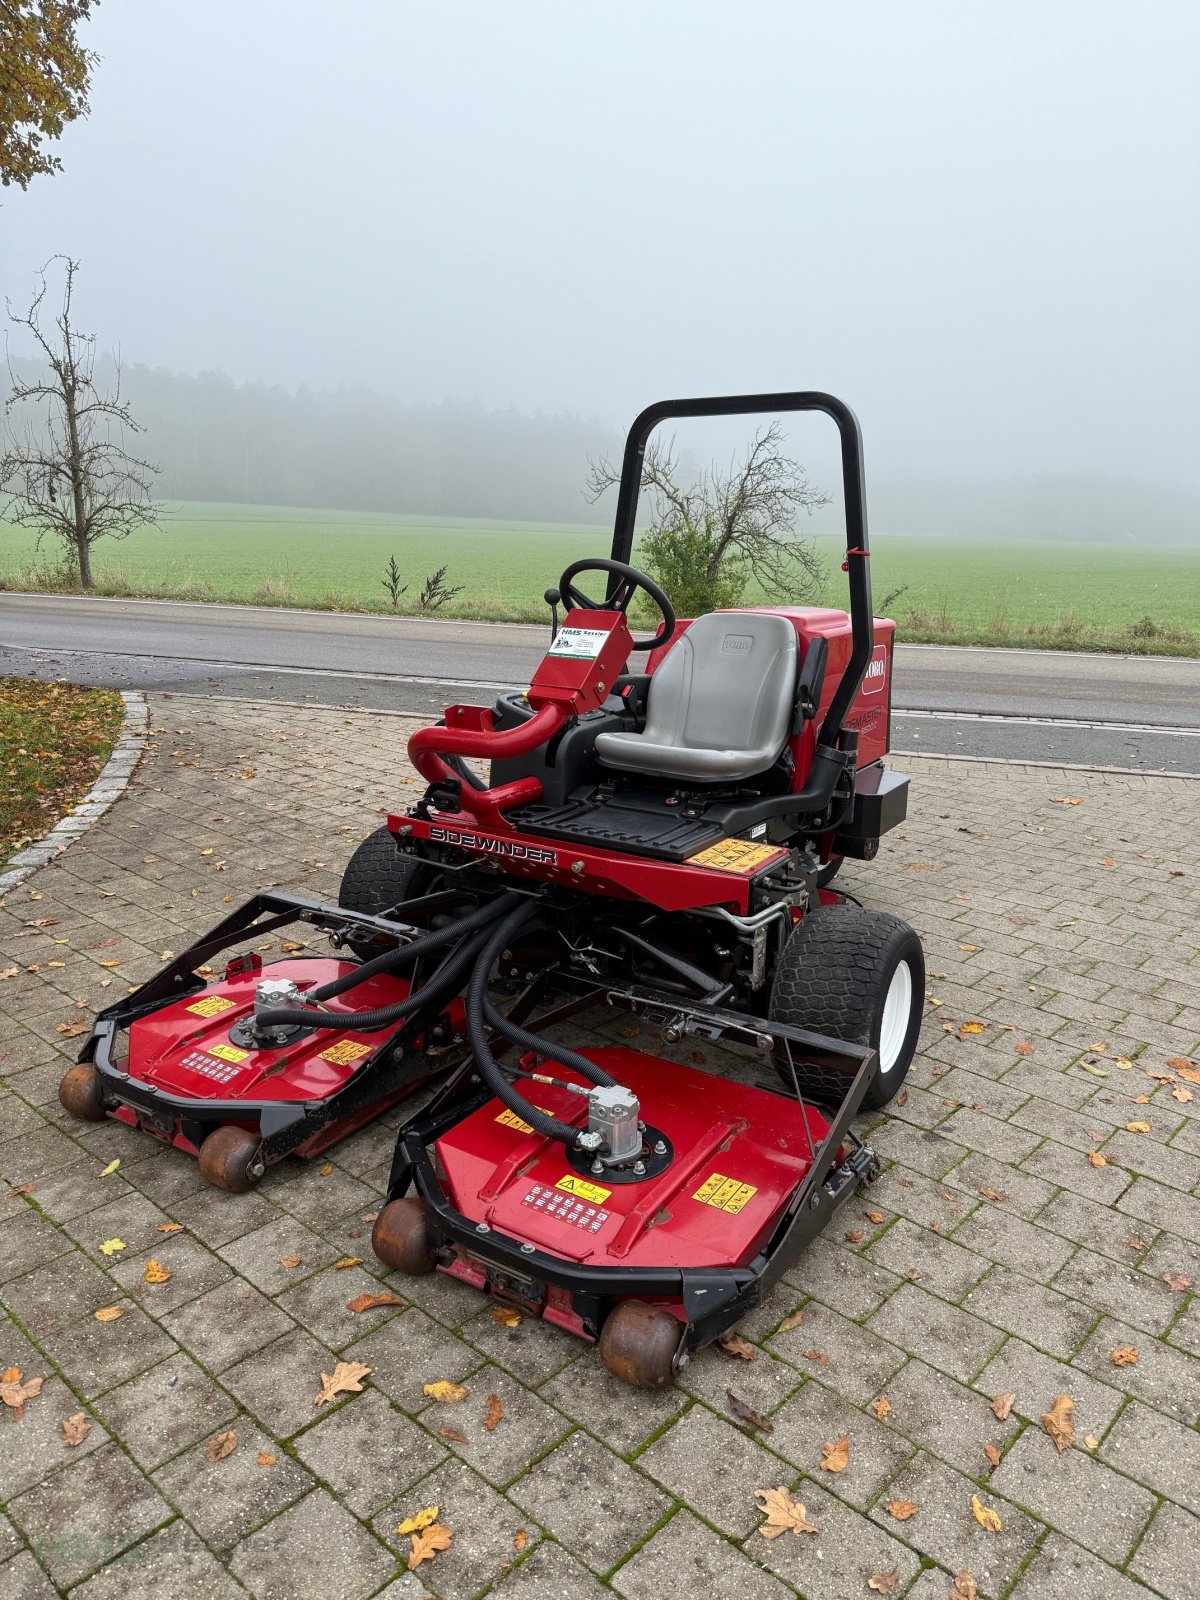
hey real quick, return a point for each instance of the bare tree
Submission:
(67, 471)
(712, 536)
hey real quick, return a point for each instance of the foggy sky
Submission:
(977, 222)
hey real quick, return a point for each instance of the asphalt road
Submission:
(1093, 710)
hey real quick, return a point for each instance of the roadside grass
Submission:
(54, 740)
(1137, 600)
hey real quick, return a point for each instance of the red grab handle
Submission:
(427, 745)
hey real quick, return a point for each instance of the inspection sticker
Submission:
(228, 1052)
(584, 1189)
(345, 1053)
(581, 644)
(742, 856)
(726, 1194)
(212, 1005)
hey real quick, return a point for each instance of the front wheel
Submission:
(379, 877)
(856, 975)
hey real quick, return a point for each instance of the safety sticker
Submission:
(742, 856)
(345, 1053)
(581, 644)
(588, 1217)
(228, 1052)
(211, 1006)
(584, 1189)
(204, 1064)
(510, 1119)
(726, 1194)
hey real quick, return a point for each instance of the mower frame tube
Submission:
(857, 562)
(713, 1299)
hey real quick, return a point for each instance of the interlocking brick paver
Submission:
(1005, 1260)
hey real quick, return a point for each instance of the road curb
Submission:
(109, 786)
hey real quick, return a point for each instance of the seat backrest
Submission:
(728, 683)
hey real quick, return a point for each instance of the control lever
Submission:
(552, 598)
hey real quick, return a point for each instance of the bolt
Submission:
(528, 976)
(527, 1249)
(660, 1147)
(597, 1166)
(577, 866)
(640, 1168)
(257, 1170)
(482, 1227)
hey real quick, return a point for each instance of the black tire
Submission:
(378, 877)
(834, 977)
(827, 873)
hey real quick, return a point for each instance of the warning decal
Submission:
(584, 1189)
(212, 1005)
(726, 1194)
(510, 1119)
(228, 1052)
(345, 1053)
(742, 856)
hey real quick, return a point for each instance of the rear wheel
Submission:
(400, 1237)
(857, 975)
(229, 1159)
(641, 1344)
(80, 1093)
(378, 877)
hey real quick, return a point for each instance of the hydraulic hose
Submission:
(393, 959)
(479, 1010)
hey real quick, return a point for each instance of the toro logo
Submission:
(876, 674)
(494, 847)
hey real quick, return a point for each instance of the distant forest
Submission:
(351, 449)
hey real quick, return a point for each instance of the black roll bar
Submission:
(853, 495)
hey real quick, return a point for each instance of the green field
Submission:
(982, 592)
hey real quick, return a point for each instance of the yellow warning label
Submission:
(726, 1194)
(584, 1189)
(510, 1119)
(228, 1052)
(742, 856)
(345, 1053)
(212, 1005)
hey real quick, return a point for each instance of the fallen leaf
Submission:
(346, 1378)
(111, 1246)
(1024, 1048)
(854, 1236)
(520, 1539)
(72, 1030)
(985, 1516)
(1181, 1094)
(290, 1261)
(453, 1435)
(347, 1261)
(884, 1582)
(494, 1413)
(156, 1273)
(326, 1169)
(734, 1345)
(421, 1519)
(207, 852)
(220, 1446)
(1002, 1404)
(1096, 1159)
(992, 1454)
(1137, 1127)
(109, 1313)
(1058, 1422)
(368, 1302)
(792, 1320)
(745, 1412)
(964, 1588)
(991, 1194)
(876, 1217)
(1091, 1441)
(76, 1427)
(1177, 1282)
(111, 1167)
(265, 1458)
(506, 1316)
(783, 1514)
(818, 1356)
(425, 1546)
(448, 1393)
(14, 1393)
(835, 1454)
(882, 1407)
(170, 1227)
(1125, 1355)
(1070, 800)
(900, 1509)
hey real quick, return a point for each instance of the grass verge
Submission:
(54, 740)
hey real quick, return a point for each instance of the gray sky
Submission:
(979, 222)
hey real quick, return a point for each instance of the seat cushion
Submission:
(719, 708)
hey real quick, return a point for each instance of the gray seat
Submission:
(720, 705)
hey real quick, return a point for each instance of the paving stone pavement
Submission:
(1020, 1234)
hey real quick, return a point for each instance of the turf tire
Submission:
(378, 877)
(834, 977)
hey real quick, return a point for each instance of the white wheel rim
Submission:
(897, 1009)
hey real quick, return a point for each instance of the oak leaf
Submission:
(14, 1392)
(1058, 1422)
(494, 1413)
(346, 1378)
(901, 1510)
(783, 1514)
(109, 1313)
(1002, 1404)
(734, 1345)
(156, 1273)
(368, 1302)
(1125, 1355)
(426, 1545)
(1181, 1094)
(448, 1393)
(420, 1519)
(835, 1454)
(221, 1445)
(985, 1516)
(76, 1427)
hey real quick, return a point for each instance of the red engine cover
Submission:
(185, 1048)
(738, 1158)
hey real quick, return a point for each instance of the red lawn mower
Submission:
(659, 841)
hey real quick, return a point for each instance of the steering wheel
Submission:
(619, 595)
